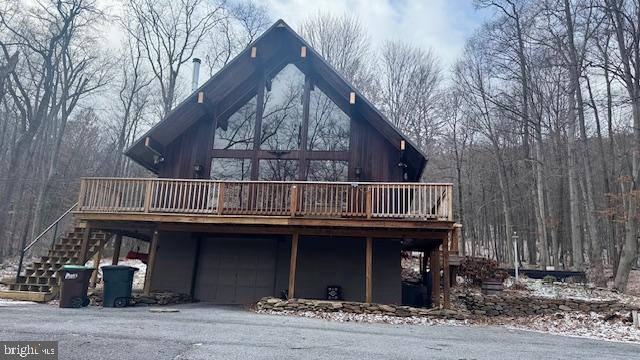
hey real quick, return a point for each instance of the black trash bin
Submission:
(118, 280)
(74, 284)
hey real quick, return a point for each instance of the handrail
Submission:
(37, 238)
(294, 182)
(50, 227)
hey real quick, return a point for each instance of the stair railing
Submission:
(54, 226)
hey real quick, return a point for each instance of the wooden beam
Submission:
(117, 244)
(292, 266)
(446, 269)
(154, 146)
(96, 264)
(304, 147)
(153, 249)
(257, 131)
(368, 270)
(434, 267)
(84, 246)
(373, 223)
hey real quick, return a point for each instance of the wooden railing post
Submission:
(220, 204)
(294, 200)
(450, 202)
(81, 194)
(369, 202)
(147, 195)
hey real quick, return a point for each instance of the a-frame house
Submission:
(276, 177)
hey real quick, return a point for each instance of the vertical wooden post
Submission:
(292, 265)
(446, 269)
(450, 202)
(368, 202)
(434, 267)
(294, 200)
(147, 195)
(368, 270)
(81, 193)
(153, 249)
(96, 264)
(117, 244)
(84, 246)
(220, 205)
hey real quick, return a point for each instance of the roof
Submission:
(242, 70)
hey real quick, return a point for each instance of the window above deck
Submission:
(303, 134)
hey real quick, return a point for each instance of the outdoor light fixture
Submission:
(197, 169)
(358, 171)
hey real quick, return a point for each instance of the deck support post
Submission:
(84, 246)
(96, 264)
(153, 249)
(292, 266)
(446, 270)
(117, 244)
(434, 267)
(368, 270)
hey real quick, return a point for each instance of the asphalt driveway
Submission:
(201, 331)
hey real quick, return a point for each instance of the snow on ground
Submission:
(9, 302)
(138, 277)
(592, 326)
(8, 270)
(558, 290)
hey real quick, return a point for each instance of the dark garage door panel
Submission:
(235, 271)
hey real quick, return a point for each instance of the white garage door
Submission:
(235, 271)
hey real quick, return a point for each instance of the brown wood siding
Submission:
(187, 150)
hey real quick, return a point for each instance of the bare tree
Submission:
(410, 78)
(170, 32)
(344, 43)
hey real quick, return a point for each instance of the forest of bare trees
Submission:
(537, 123)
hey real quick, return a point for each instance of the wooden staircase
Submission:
(40, 281)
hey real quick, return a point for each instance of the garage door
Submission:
(235, 271)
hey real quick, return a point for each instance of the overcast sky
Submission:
(442, 25)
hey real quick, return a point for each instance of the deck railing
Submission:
(417, 201)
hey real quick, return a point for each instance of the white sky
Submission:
(442, 25)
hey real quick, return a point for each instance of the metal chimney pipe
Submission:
(196, 74)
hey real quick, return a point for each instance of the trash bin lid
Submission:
(119, 267)
(76, 267)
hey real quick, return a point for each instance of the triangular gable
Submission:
(230, 87)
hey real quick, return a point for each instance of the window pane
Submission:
(230, 169)
(328, 170)
(240, 128)
(282, 114)
(278, 170)
(329, 126)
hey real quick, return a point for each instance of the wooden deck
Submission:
(408, 206)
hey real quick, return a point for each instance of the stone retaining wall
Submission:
(275, 304)
(510, 305)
